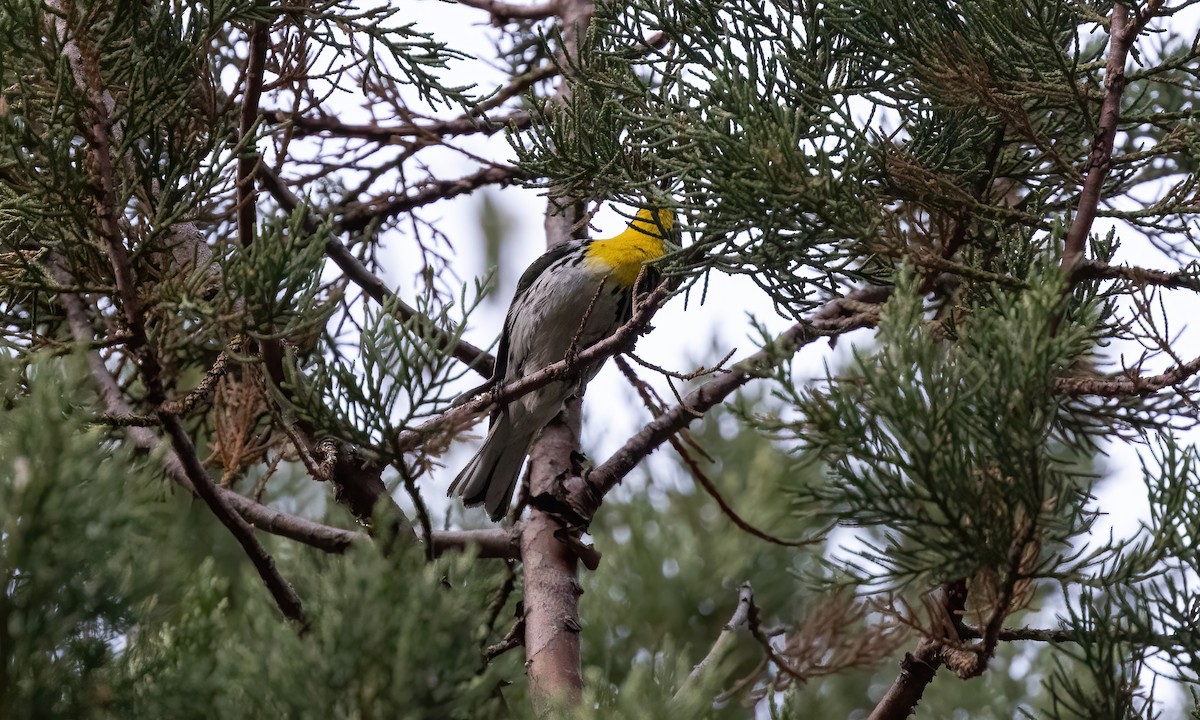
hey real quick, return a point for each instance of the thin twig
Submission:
(832, 319)
(500, 598)
(780, 662)
(742, 524)
(410, 486)
(572, 353)
(699, 474)
(655, 404)
(718, 367)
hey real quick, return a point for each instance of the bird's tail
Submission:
(490, 478)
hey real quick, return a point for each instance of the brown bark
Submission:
(1122, 33)
(916, 672)
(552, 590)
(918, 667)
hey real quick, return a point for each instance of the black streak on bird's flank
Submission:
(623, 310)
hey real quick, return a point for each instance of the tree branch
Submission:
(256, 63)
(621, 341)
(268, 519)
(353, 481)
(285, 596)
(1097, 270)
(1122, 33)
(322, 537)
(86, 68)
(358, 217)
(499, 543)
(1135, 385)
(431, 132)
(1016, 634)
(918, 667)
(501, 11)
(741, 615)
(833, 319)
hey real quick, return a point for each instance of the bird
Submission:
(576, 294)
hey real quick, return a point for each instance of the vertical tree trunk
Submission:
(552, 589)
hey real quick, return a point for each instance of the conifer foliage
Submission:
(225, 410)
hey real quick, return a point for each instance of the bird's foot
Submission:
(572, 356)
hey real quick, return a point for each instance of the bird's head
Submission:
(655, 223)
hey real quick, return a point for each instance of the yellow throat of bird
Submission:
(640, 243)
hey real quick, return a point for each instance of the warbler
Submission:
(578, 292)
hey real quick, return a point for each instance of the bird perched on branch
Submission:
(573, 296)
